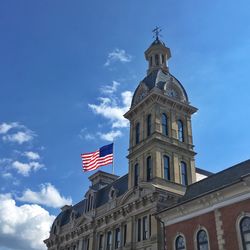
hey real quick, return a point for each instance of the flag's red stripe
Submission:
(97, 166)
(86, 163)
(98, 162)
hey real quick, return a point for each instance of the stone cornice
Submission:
(155, 96)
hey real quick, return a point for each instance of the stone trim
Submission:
(219, 229)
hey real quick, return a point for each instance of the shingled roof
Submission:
(102, 197)
(217, 181)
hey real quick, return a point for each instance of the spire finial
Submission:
(156, 32)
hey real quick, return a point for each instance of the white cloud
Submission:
(48, 196)
(20, 137)
(5, 127)
(25, 168)
(23, 227)
(113, 110)
(110, 89)
(32, 155)
(110, 136)
(119, 55)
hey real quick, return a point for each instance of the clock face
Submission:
(171, 93)
(140, 96)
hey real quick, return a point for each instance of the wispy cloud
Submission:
(118, 55)
(110, 136)
(48, 196)
(110, 89)
(21, 134)
(19, 137)
(113, 109)
(23, 227)
(32, 155)
(5, 127)
(25, 168)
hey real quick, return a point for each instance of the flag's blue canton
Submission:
(106, 150)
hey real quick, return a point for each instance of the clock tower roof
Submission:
(163, 81)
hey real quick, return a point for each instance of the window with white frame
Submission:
(202, 240)
(180, 243)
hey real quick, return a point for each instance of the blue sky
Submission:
(67, 72)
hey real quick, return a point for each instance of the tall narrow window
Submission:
(101, 242)
(162, 59)
(109, 241)
(117, 238)
(157, 60)
(245, 232)
(150, 218)
(164, 124)
(166, 168)
(202, 241)
(89, 202)
(151, 61)
(180, 243)
(145, 228)
(87, 244)
(124, 234)
(149, 126)
(180, 131)
(149, 168)
(183, 169)
(139, 229)
(137, 133)
(136, 174)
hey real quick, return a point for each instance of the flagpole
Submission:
(113, 165)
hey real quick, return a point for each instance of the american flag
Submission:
(101, 157)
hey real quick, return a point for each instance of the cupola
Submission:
(157, 54)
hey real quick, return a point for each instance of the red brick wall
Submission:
(229, 216)
(189, 227)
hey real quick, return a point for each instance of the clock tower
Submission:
(161, 150)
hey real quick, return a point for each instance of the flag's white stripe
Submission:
(97, 163)
(105, 161)
(97, 166)
(90, 154)
(92, 161)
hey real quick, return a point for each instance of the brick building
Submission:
(213, 214)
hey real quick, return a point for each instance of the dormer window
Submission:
(89, 203)
(113, 193)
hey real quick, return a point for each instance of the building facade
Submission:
(133, 211)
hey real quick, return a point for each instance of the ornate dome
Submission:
(163, 81)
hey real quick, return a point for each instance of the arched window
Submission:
(149, 168)
(180, 131)
(166, 167)
(180, 243)
(137, 133)
(164, 124)
(245, 232)
(156, 59)
(202, 240)
(184, 173)
(136, 174)
(149, 125)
